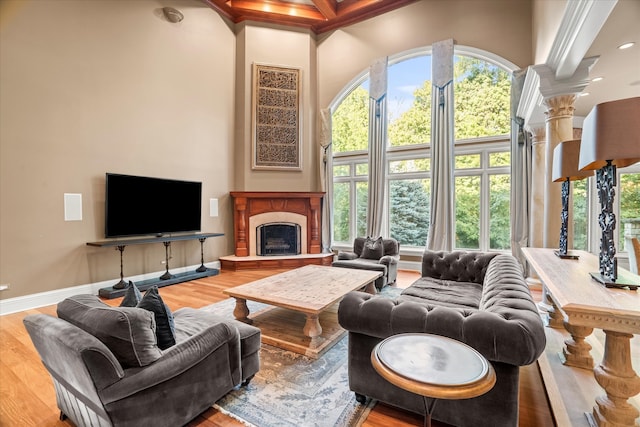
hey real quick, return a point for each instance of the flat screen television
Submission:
(140, 206)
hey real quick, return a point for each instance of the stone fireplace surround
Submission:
(253, 208)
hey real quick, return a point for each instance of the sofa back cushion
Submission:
(457, 266)
(128, 332)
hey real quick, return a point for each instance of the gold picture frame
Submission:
(276, 112)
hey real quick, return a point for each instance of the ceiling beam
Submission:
(327, 8)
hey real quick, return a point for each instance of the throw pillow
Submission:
(372, 249)
(165, 327)
(129, 332)
(132, 296)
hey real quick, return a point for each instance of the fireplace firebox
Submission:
(278, 238)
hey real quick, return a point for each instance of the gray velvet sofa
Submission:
(478, 298)
(383, 259)
(108, 370)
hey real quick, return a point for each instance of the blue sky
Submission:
(403, 79)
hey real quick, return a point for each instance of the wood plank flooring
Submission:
(27, 397)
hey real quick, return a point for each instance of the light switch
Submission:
(72, 207)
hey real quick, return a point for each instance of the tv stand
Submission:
(167, 278)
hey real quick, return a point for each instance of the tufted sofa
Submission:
(478, 298)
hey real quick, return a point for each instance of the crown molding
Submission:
(580, 25)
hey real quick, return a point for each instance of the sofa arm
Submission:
(179, 359)
(516, 341)
(389, 260)
(342, 255)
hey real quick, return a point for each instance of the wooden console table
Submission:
(586, 304)
(167, 278)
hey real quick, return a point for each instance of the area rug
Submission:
(292, 390)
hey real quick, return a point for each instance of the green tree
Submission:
(409, 211)
(350, 122)
(414, 125)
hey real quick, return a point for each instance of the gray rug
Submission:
(292, 390)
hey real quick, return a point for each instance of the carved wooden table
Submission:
(309, 290)
(587, 305)
(434, 367)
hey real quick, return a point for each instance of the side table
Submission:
(434, 367)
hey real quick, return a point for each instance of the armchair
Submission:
(108, 370)
(373, 254)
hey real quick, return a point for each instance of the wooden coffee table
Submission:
(434, 367)
(310, 290)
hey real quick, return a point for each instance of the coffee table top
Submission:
(433, 366)
(309, 289)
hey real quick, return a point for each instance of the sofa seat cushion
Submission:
(129, 332)
(190, 321)
(362, 264)
(444, 293)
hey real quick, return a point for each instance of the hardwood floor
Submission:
(27, 397)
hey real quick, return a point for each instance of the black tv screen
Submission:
(138, 206)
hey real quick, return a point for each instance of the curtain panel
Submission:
(326, 176)
(441, 223)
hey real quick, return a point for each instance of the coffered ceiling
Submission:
(317, 15)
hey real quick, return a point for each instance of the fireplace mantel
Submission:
(250, 203)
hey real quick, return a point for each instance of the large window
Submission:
(482, 181)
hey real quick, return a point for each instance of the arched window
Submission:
(482, 163)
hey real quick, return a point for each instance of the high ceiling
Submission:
(620, 70)
(317, 15)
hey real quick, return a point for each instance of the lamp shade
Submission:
(611, 131)
(565, 162)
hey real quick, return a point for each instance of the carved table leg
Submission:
(241, 311)
(371, 288)
(556, 318)
(617, 377)
(576, 350)
(312, 326)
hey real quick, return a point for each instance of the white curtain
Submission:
(520, 172)
(441, 223)
(326, 176)
(377, 146)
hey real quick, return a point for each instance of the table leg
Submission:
(371, 288)
(576, 350)
(241, 311)
(312, 326)
(429, 404)
(556, 318)
(616, 376)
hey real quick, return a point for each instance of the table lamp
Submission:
(610, 139)
(565, 169)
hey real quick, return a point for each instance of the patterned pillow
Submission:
(129, 332)
(372, 249)
(165, 327)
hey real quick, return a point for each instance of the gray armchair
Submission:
(373, 254)
(108, 371)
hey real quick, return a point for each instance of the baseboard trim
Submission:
(41, 299)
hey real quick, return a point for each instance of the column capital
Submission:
(551, 87)
(560, 106)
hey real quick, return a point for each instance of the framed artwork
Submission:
(276, 118)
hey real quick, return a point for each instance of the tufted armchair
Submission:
(477, 298)
(373, 254)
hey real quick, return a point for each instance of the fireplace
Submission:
(297, 211)
(278, 238)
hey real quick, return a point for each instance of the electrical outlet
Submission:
(4, 286)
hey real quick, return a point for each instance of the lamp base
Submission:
(619, 283)
(568, 255)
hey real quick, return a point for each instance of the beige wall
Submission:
(547, 16)
(89, 87)
(501, 27)
(281, 47)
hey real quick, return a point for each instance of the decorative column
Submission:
(537, 184)
(558, 96)
(559, 127)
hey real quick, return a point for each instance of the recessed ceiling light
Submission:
(626, 45)
(597, 79)
(584, 94)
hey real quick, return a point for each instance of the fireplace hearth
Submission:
(278, 238)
